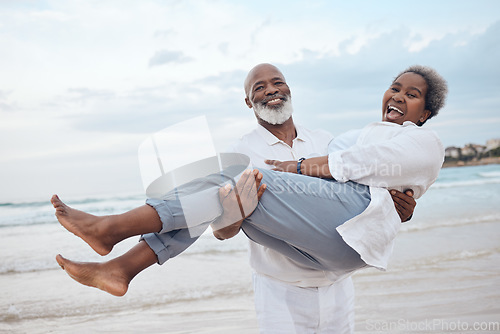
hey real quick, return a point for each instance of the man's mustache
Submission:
(276, 96)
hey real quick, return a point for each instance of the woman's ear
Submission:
(424, 116)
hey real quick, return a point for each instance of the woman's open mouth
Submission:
(393, 113)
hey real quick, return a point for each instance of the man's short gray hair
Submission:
(437, 88)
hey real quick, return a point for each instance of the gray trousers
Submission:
(297, 216)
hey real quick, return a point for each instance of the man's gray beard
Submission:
(274, 116)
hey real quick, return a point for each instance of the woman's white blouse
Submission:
(383, 156)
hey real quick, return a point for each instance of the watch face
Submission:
(299, 163)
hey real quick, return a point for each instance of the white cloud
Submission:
(166, 56)
(84, 76)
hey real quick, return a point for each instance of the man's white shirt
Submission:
(260, 145)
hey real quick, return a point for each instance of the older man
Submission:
(291, 298)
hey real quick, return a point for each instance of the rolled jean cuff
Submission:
(157, 246)
(163, 211)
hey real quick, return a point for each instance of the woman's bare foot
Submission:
(91, 229)
(105, 276)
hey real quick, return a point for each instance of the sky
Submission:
(84, 83)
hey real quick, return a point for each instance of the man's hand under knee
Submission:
(238, 203)
(404, 203)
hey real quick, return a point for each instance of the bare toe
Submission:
(89, 228)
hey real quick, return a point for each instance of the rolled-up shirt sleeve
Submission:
(402, 158)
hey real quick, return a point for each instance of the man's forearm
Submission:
(317, 167)
(228, 231)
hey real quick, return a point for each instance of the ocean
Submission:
(444, 275)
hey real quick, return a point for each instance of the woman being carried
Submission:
(339, 224)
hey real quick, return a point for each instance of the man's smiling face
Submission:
(268, 94)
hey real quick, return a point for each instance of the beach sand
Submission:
(443, 277)
(444, 281)
(159, 300)
(427, 288)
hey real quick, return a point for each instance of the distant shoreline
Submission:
(483, 161)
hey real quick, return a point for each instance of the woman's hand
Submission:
(283, 166)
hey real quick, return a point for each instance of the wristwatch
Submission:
(299, 163)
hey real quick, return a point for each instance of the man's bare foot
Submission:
(105, 276)
(91, 229)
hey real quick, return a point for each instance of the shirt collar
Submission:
(300, 133)
(272, 139)
(405, 123)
